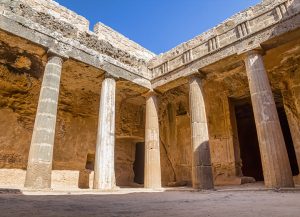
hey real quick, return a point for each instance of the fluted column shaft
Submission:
(275, 161)
(104, 177)
(201, 163)
(295, 128)
(152, 148)
(40, 157)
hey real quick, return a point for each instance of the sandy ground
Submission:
(187, 204)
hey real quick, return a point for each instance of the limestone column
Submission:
(104, 177)
(291, 101)
(275, 161)
(202, 177)
(295, 123)
(40, 157)
(152, 148)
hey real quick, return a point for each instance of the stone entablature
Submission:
(70, 32)
(235, 29)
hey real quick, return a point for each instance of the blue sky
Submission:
(158, 25)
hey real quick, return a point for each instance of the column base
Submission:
(297, 179)
(84, 179)
(204, 178)
(38, 176)
(154, 188)
(113, 188)
(104, 186)
(233, 180)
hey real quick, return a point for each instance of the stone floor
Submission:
(226, 202)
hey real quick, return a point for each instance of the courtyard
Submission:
(94, 124)
(223, 203)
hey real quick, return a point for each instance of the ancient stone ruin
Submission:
(93, 109)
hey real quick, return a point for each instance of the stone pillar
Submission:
(104, 167)
(295, 128)
(275, 161)
(202, 177)
(291, 101)
(152, 144)
(40, 157)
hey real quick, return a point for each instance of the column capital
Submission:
(51, 53)
(109, 75)
(258, 51)
(196, 75)
(150, 93)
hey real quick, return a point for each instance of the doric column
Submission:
(275, 161)
(40, 157)
(291, 101)
(152, 147)
(293, 114)
(202, 177)
(104, 177)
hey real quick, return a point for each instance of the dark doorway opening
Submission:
(288, 139)
(84, 174)
(90, 160)
(249, 147)
(138, 165)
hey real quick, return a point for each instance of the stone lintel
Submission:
(118, 72)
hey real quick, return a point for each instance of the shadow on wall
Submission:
(205, 177)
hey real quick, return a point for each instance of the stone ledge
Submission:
(60, 12)
(122, 191)
(108, 34)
